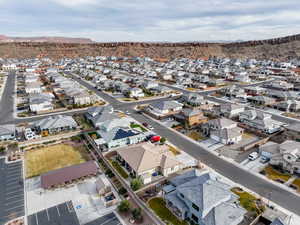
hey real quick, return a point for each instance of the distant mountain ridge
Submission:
(282, 48)
(4, 38)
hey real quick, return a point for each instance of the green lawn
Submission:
(134, 125)
(158, 206)
(120, 170)
(247, 200)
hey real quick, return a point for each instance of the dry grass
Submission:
(297, 184)
(247, 135)
(42, 160)
(174, 150)
(273, 174)
(195, 136)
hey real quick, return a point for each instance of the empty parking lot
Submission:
(63, 214)
(12, 191)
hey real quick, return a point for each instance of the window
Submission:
(182, 196)
(195, 218)
(195, 207)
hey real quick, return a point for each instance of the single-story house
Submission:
(146, 160)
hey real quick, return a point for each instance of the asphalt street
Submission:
(11, 191)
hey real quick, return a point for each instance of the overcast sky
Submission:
(151, 20)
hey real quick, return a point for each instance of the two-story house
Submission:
(223, 130)
(200, 198)
(287, 156)
(260, 120)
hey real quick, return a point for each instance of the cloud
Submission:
(155, 20)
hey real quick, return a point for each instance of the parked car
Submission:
(253, 156)
(264, 159)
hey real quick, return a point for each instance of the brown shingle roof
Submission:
(69, 173)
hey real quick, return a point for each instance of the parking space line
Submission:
(36, 218)
(57, 210)
(14, 188)
(105, 222)
(12, 192)
(15, 207)
(47, 214)
(15, 196)
(13, 202)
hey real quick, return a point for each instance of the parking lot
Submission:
(12, 191)
(109, 219)
(60, 214)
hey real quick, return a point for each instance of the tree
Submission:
(137, 214)
(124, 206)
(136, 184)
(163, 140)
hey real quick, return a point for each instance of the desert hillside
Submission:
(279, 48)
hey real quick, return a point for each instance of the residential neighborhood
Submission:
(119, 140)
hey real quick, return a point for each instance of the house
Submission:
(136, 93)
(287, 156)
(223, 130)
(165, 108)
(149, 85)
(260, 120)
(288, 106)
(234, 91)
(33, 87)
(231, 110)
(261, 100)
(191, 117)
(292, 131)
(7, 132)
(282, 95)
(200, 198)
(39, 105)
(193, 99)
(99, 114)
(268, 149)
(254, 90)
(119, 137)
(279, 85)
(146, 160)
(55, 124)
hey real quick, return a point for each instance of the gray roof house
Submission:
(165, 107)
(201, 198)
(99, 114)
(55, 124)
(193, 99)
(7, 132)
(223, 130)
(260, 120)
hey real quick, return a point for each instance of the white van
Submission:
(253, 156)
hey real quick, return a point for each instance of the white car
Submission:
(150, 127)
(253, 156)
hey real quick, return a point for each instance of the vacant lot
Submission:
(39, 161)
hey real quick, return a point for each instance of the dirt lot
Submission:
(42, 160)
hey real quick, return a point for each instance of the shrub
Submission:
(122, 191)
(163, 140)
(136, 184)
(137, 214)
(124, 206)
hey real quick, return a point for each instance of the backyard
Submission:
(195, 136)
(42, 160)
(158, 205)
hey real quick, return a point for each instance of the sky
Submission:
(151, 20)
